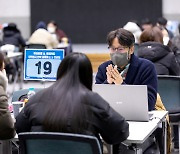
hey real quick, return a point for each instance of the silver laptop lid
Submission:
(130, 101)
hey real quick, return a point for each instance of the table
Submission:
(140, 131)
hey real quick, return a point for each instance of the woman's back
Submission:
(151, 47)
(162, 57)
(69, 105)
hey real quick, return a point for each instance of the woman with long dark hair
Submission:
(69, 105)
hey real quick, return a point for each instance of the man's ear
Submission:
(131, 50)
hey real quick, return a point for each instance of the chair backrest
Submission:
(57, 143)
(169, 90)
(17, 94)
(36, 46)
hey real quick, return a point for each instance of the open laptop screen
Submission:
(130, 101)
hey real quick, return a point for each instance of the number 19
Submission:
(47, 66)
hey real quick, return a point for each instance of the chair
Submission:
(35, 46)
(57, 143)
(169, 90)
(17, 94)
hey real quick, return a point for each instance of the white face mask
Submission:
(51, 29)
(165, 40)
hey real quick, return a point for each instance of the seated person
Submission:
(12, 36)
(6, 122)
(125, 68)
(146, 23)
(42, 36)
(53, 28)
(151, 47)
(70, 106)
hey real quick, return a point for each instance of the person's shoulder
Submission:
(144, 62)
(145, 65)
(170, 55)
(41, 30)
(95, 100)
(106, 63)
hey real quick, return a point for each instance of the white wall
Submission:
(15, 8)
(17, 11)
(171, 6)
(171, 9)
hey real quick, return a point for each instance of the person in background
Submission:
(12, 42)
(146, 24)
(162, 22)
(151, 47)
(53, 28)
(133, 27)
(75, 108)
(176, 42)
(42, 36)
(12, 36)
(126, 68)
(7, 130)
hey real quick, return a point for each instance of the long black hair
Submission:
(69, 110)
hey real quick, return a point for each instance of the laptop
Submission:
(130, 101)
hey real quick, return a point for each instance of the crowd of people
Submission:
(50, 36)
(157, 53)
(157, 44)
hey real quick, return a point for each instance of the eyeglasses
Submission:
(119, 49)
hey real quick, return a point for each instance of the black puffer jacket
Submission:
(13, 36)
(108, 123)
(162, 57)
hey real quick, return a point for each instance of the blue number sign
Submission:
(42, 64)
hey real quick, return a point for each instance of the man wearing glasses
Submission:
(125, 68)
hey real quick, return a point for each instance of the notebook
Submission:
(130, 101)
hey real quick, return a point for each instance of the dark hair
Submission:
(41, 24)
(125, 37)
(1, 60)
(77, 65)
(74, 80)
(179, 27)
(162, 21)
(152, 34)
(54, 23)
(146, 21)
(11, 27)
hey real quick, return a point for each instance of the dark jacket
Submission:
(105, 121)
(140, 72)
(7, 130)
(162, 57)
(13, 36)
(176, 47)
(60, 34)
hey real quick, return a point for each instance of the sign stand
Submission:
(42, 64)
